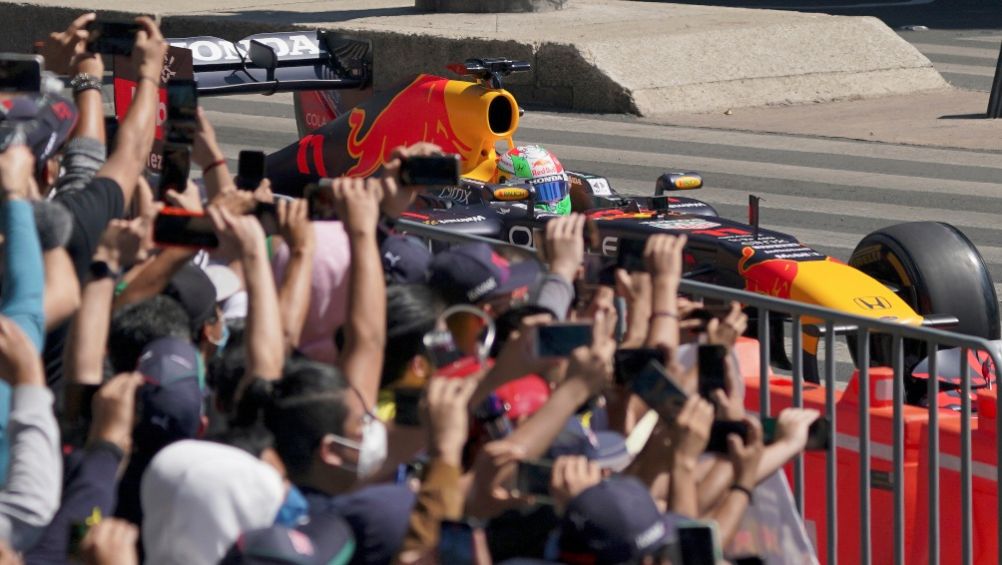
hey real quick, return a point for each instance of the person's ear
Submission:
(327, 452)
(421, 367)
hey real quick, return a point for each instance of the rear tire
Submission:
(937, 270)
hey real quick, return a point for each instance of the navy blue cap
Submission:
(472, 272)
(605, 448)
(194, 290)
(325, 540)
(45, 121)
(614, 521)
(170, 401)
(405, 259)
(379, 517)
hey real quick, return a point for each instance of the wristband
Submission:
(212, 165)
(155, 82)
(664, 314)
(83, 81)
(747, 491)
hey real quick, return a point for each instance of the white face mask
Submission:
(371, 450)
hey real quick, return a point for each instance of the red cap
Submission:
(524, 396)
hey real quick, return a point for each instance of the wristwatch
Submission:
(84, 81)
(100, 270)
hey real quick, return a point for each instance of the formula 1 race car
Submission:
(908, 272)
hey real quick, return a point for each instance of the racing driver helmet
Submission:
(536, 166)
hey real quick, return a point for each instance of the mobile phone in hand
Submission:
(629, 362)
(653, 385)
(456, 543)
(711, 364)
(719, 432)
(817, 433)
(699, 543)
(181, 228)
(436, 170)
(560, 339)
(182, 111)
(441, 348)
(630, 255)
(250, 169)
(176, 168)
(20, 73)
(533, 479)
(111, 38)
(407, 402)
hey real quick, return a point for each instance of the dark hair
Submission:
(225, 370)
(137, 325)
(253, 439)
(411, 311)
(508, 322)
(306, 404)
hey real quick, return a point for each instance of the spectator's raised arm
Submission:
(663, 257)
(294, 293)
(23, 276)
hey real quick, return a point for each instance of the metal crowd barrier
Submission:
(834, 323)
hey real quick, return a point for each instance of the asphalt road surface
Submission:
(962, 39)
(828, 193)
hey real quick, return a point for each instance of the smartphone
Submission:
(407, 401)
(182, 111)
(699, 543)
(181, 228)
(267, 214)
(438, 170)
(711, 363)
(817, 433)
(653, 385)
(629, 362)
(176, 168)
(630, 255)
(719, 432)
(558, 340)
(250, 169)
(441, 348)
(112, 38)
(456, 543)
(20, 73)
(599, 270)
(533, 479)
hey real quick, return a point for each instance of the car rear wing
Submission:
(267, 63)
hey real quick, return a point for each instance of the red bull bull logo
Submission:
(417, 113)
(770, 276)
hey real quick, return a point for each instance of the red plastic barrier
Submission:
(984, 486)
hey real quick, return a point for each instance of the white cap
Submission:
(227, 282)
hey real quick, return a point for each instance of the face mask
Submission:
(371, 450)
(223, 339)
(293, 509)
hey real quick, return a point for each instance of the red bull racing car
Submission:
(908, 272)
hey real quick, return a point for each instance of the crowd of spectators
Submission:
(278, 400)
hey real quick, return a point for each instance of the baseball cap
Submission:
(405, 259)
(524, 396)
(607, 449)
(170, 401)
(615, 521)
(224, 280)
(44, 120)
(325, 540)
(471, 272)
(194, 290)
(378, 516)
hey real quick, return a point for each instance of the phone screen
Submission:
(176, 167)
(654, 387)
(711, 363)
(111, 38)
(182, 111)
(630, 255)
(455, 543)
(817, 433)
(533, 478)
(407, 401)
(698, 544)
(250, 169)
(178, 227)
(438, 170)
(20, 73)
(629, 362)
(558, 340)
